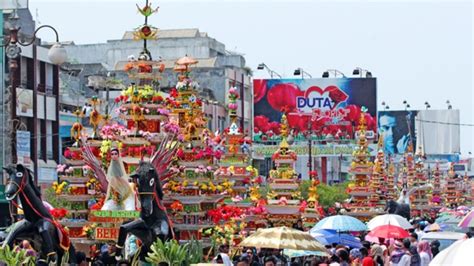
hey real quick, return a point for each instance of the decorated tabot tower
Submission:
(449, 193)
(192, 191)
(436, 199)
(391, 193)
(420, 197)
(98, 203)
(235, 166)
(283, 196)
(467, 190)
(378, 178)
(361, 169)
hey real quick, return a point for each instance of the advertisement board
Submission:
(23, 147)
(438, 131)
(326, 106)
(397, 129)
(24, 105)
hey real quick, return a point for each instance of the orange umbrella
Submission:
(388, 231)
(186, 61)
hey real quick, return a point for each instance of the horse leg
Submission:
(46, 231)
(137, 228)
(19, 227)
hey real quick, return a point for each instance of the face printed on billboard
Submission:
(397, 129)
(324, 106)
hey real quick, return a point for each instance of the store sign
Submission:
(107, 233)
(325, 150)
(23, 146)
(116, 214)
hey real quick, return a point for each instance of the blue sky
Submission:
(419, 51)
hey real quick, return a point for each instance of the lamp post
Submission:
(57, 55)
(361, 71)
(335, 71)
(407, 105)
(262, 66)
(449, 104)
(385, 105)
(427, 105)
(300, 71)
(310, 158)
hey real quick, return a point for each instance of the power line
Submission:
(445, 123)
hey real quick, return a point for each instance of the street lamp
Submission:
(300, 71)
(427, 105)
(262, 66)
(57, 55)
(386, 107)
(407, 105)
(449, 104)
(335, 71)
(361, 71)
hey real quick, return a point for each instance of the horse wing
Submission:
(92, 162)
(163, 156)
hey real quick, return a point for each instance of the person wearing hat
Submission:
(400, 255)
(376, 252)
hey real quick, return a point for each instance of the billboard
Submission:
(397, 129)
(326, 106)
(438, 131)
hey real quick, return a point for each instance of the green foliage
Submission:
(13, 258)
(169, 252)
(194, 252)
(304, 188)
(51, 197)
(328, 195)
(174, 254)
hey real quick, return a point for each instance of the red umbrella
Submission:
(388, 231)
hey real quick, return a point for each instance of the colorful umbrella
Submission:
(281, 238)
(459, 253)
(341, 223)
(327, 237)
(433, 227)
(302, 253)
(388, 231)
(392, 219)
(467, 221)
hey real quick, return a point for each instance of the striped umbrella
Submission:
(392, 219)
(282, 238)
(467, 221)
(341, 223)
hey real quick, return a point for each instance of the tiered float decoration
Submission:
(235, 167)
(360, 191)
(391, 185)
(378, 178)
(436, 199)
(467, 190)
(193, 190)
(238, 216)
(283, 197)
(420, 198)
(142, 110)
(450, 193)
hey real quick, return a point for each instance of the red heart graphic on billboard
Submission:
(336, 94)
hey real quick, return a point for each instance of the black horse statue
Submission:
(38, 226)
(153, 222)
(401, 209)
